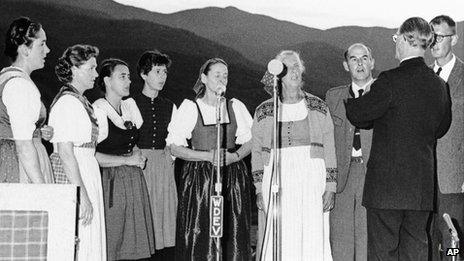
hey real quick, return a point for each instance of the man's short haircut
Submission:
(417, 32)
(444, 19)
(369, 50)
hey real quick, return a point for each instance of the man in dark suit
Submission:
(348, 228)
(450, 148)
(409, 109)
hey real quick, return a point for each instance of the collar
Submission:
(445, 69)
(356, 87)
(413, 60)
(129, 112)
(408, 58)
(148, 97)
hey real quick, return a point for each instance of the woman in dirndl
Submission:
(195, 121)
(129, 224)
(23, 158)
(307, 166)
(77, 129)
(157, 111)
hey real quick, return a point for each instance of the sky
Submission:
(322, 14)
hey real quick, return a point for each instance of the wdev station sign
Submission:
(216, 214)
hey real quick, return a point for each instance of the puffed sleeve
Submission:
(181, 126)
(174, 111)
(22, 101)
(102, 121)
(330, 157)
(244, 122)
(257, 162)
(70, 121)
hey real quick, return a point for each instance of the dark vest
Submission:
(156, 114)
(204, 136)
(119, 141)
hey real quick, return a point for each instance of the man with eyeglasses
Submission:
(450, 148)
(348, 228)
(409, 109)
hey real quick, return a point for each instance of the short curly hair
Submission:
(75, 55)
(21, 31)
(150, 59)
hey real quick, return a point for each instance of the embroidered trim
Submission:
(316, 104)
(264, 110)
(266, 149)
(331, 174)
(258, 176)
(316, 144)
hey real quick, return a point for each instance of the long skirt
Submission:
(129, 225)
(304, 226)
(193, 241)
(11, 171)
(92, 237)
(159, 174)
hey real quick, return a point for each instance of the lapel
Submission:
(348, 127)
(456, 75)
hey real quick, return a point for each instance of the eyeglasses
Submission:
(440, 37)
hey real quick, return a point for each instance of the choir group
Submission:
(120, 151)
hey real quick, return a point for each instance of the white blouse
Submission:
(22, 101)
(129, 112)
(181, 126)
(293, 112)
(71, 122)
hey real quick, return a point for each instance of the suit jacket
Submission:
(344, 132)
(450, 148)
(410, 109)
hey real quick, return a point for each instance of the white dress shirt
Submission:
(355, 89)
(445, 69)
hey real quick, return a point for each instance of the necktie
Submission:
(439, 71)
(357, 133)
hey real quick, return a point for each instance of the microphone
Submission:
(451, 227)
(277, 68)
(220, 90)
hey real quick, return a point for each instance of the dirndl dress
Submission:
(304, 226)
(11, 170)
(127, 204)
(159, 170)
(65, 118)
(193, 241)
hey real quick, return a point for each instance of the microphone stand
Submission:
(275, 185)
(218, 184)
